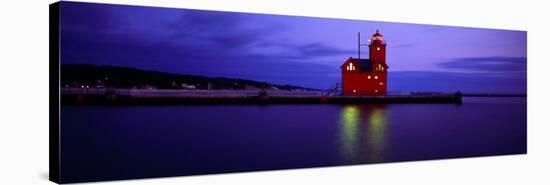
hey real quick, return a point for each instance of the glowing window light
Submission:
(375, 91)
(378, 48)
(354, 91)
(381, 83)
(351, 67)
(380, 68)
(377, 130)
(375, 77)
(349, 122)
(368, 77)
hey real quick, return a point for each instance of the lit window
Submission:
(351, 67)
(375, 77)
(375, 91)
(378, 48)
(354, 91)
(368, 77)
(380, 68)
(381, 83)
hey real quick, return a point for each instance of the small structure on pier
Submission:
(366, 77)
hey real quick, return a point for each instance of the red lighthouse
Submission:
(367, 77)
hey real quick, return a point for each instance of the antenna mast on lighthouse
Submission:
(358, 45)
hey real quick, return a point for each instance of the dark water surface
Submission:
(108, 143)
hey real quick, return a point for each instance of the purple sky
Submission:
(290, 50)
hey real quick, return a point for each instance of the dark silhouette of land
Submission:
(88, 75)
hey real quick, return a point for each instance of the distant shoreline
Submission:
(493, 95)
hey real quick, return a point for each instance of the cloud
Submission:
(319, 49)
(304, 52)
(246, 46)
(87, 17)
(194, 42)
(218, 30)
(406, 81)
(403, 45)
(479, 74)
(488, 64)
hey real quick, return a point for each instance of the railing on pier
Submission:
(334, 91)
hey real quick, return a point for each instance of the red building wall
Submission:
(356, 83)
(377, 52)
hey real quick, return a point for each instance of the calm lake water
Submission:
(108, 143)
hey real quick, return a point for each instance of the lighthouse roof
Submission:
(377, 34)
(364, 64)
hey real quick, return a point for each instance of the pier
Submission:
(179, 97)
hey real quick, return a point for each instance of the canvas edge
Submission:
(54, 112)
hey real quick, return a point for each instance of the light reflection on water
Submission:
(114, 142)
(363, 133)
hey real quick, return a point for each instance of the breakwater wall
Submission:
(80, 99)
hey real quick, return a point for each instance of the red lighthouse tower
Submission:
(367, 77)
